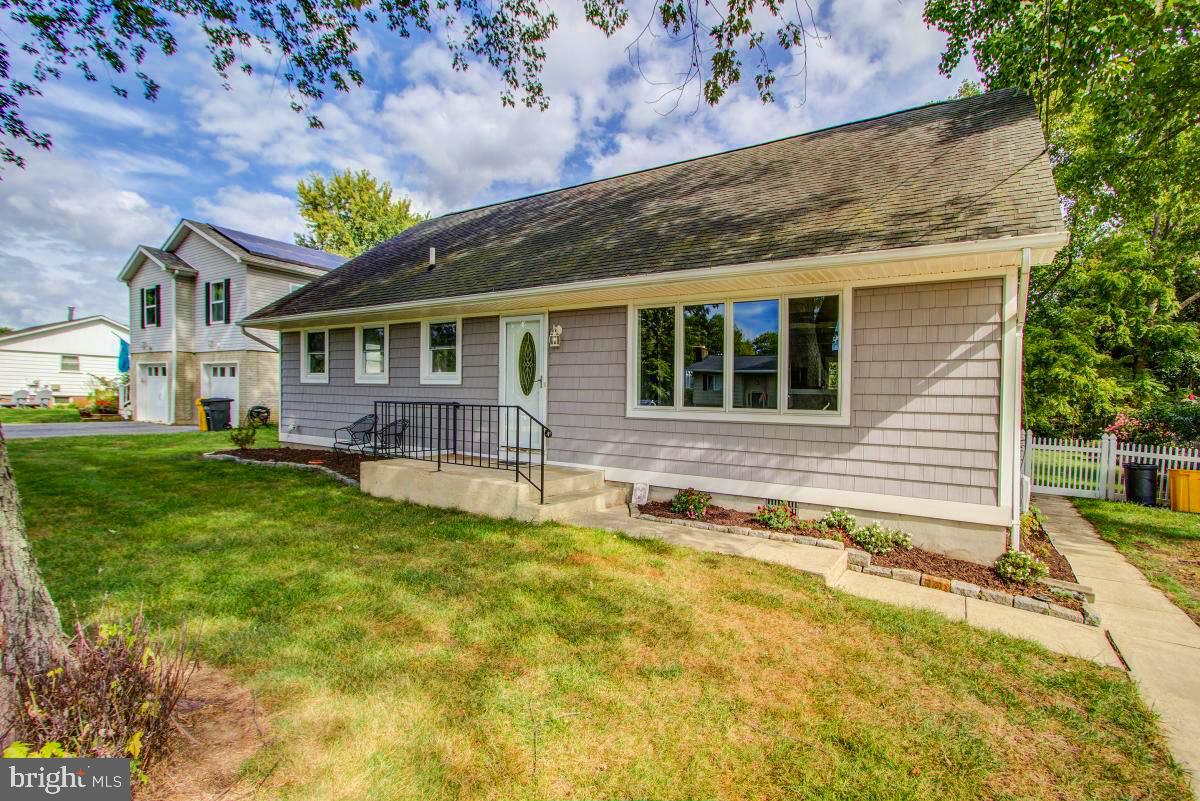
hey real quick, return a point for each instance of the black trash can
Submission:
(216, 413)
(1141, 483)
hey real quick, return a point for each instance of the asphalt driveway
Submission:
(48, 430)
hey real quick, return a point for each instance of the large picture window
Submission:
(704, 355)
(741, 359)
(813, 353)
(656, 359)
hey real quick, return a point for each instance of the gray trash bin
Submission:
(217, 413)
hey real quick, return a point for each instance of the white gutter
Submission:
(1018, 491)
(1051, 240)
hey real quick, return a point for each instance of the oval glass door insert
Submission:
(527, 363)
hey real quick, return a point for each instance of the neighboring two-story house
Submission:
(65, 357)
(184, 302)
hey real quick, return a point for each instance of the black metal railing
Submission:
(472, 434)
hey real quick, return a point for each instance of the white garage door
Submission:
(152, 400)
(221, 381)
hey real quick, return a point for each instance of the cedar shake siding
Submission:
(925, 395)
(317, 409)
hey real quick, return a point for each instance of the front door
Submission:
(221, 381)
(523, 377)
(152, 393)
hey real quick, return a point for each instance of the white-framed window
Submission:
(371, 354)
(69, 363)
(314, 356)
(150, 306)
(217, 303)
(441, 351)
(781, 358)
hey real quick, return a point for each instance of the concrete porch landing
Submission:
(495, 493)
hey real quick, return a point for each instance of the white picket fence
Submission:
(1093, 468)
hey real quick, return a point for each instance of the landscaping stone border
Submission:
(860, 562)
(229, 457)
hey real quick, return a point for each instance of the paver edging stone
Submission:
(228, 457)
(859, 561)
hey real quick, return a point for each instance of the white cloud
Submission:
(264, 213)
(69, 225)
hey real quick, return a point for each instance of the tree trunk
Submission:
(31, 636)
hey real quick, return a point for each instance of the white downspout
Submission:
(1014, 540)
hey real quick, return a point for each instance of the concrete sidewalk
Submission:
(1060, 636)
(1159, 642)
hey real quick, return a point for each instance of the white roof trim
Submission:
(1053, 240)
(91, 318)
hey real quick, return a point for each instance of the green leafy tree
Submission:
(351, 212)
(1112, 322)
(315, 43)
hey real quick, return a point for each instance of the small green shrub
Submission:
(840, 519)
(1021, 567)
(244, 435)
(777, 516)
(877, 539)
(691, 502)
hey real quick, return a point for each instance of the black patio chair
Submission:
(357, 435)
(390, 439)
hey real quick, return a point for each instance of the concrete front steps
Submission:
(570, 492)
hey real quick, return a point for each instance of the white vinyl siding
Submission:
(152, 338)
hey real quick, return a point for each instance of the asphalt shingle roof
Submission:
(957, 171)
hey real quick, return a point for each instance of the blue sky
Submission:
(124, 171)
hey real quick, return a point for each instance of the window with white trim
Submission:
(150, 306)
(741, 359)
(441, 351)
(216, 302)
(371, 354)
(69, 364)
(314, 356)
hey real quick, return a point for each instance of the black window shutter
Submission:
(207, 303)
(158, 310)
(142, 304)
(228, 303)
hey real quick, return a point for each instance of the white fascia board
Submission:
(1054, 239)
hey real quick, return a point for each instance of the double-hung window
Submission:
(69, 364)
(371, 354)
(152, 306)
(314, 357)
(441, 351)
(218, 302)
(781, 358)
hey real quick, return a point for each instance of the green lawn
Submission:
(55, 414)
(1164, 545)
(407, 652)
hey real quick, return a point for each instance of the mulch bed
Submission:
(720, 516)
(347, 464)
(919, 559)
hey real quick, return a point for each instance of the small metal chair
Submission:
(356, 435)
(390, 439)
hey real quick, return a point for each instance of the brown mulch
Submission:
(347, 464)
(720, 516)
(915, 558)
(221, 727)
(1036, 541)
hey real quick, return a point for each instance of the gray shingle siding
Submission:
(925, 396)
(318, 409)
(924, 404)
